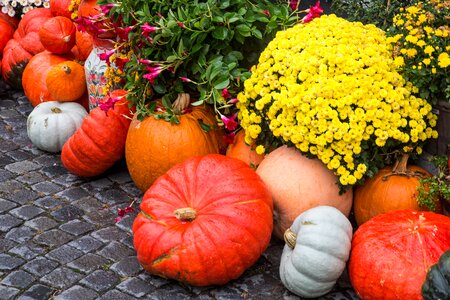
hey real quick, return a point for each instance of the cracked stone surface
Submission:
(58, 238)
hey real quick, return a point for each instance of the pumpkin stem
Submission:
(290, 238)
(401, 169)
(181, 103)
(56, 110)
(186, 214)
(66, 69)
(66, 38)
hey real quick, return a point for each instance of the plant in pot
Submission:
(182, 63)
(436, 186)
(420, 35)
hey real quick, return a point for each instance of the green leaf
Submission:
(244, 30)
(166, 102)
(205, 127)
(256, 33)
(220, 33)
(197, 103)
(222, 82)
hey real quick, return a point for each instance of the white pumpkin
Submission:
(52, 123)
(316, 252)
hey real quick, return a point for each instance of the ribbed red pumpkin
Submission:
(58, 35)
(392, 252)
(60, 8)
(15, 58)
(154, 145)
(204, 222)
(100, 141)
(13, 21)
(6, 33)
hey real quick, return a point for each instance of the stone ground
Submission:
(58, 238)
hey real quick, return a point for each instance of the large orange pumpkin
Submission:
(6, 33)
(298, 183)
(240, 150)
(154, 145)
(392, 188)
(392, 252)
(58, 35)
(100, 141)
(66, 81)
(204, 222)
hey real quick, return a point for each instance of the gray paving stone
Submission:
(54, 237)
(19, 155)
(19, 279)
(101, 217)
(86, 244)
(77, 227)
(97, 184)
(40, 266)
(68, 180)
(8, 262)
(135, 287)
(41, 223)
(173, 291)
(67, 213)
(113, 196)
(5, 175)
(110, 234)
(47, 188)
(116, 251)
(28, 251)
(22, 195)
(5, 160)
(20, 234)
(132, 189)
(37, 292)
(22, 167)
(47, 160)
(154, 280)
(126, 223)
(73, 194)
(61, 278)
(7, 222)
(116, 295)
(88, 263)
(120, 177)
(6, 244)
(128, 241)
(127, 267)
(32, 177)
(88, 204)
(76, 293)
(6, 205)
(64, 254)
(48, 202)
(100, 280)
(53, 171)
(26, 212)
(8, 293)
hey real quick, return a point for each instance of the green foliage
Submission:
(437, 186)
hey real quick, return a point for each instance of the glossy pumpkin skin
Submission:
(240, 150)
(100, 141)
(298, 183)
(392, 252)
(154, 146)
(230, 231)
(27, 33)
(60, 8)
(316, 252)
(84, 44)
(52, 123)
(6, 33)
(386, 192)
(35, 75)
(66, 81)
(437, 281)
(14, 60)
(57, 35)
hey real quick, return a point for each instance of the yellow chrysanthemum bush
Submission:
(331, 89)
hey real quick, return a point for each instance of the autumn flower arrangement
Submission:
(20, 7)
(202, 48)
(330, 88)
(421, 37)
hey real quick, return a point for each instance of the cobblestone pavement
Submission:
(59, 239)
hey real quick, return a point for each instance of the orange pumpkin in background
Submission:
(298, 183)
(240, 150)
(60, 8)
(84, 44)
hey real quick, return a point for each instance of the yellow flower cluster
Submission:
(421, 40)
(73, 7)
(330, 88)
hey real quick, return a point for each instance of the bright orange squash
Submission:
(66, 81)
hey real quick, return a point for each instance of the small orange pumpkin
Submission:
(392, 188)
(66, 81)
(58, 35)
(240, 150)
(84, 43)
(153, 145)
(60, 8)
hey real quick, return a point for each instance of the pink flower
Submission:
(106, 55)
(230, 122)
(185, 79)
(313, 12)
(147, 29)
(293, 4)
(123, 32)
(145, 61)
(233, 101)
(229, 138)
(122, 212)
(226, 94)
(181, 25)
(154, 72)
(266, 12)
(120, 62)
(107, 7)
(108, 102)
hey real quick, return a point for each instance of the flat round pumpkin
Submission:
(204, 222)
(298, 183)
(66, 81)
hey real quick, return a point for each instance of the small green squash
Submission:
(437, 282)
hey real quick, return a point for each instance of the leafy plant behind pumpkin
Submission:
(436, 186)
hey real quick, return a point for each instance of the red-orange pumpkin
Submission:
(6, 33)
(392, 252)
(204, 222)
(15, 58)
(13, 21)
(60, 8)
(84, 44)
(240, 150)
(392, 188)
(298, 183)
(154, 146)
(100, 141)
(35, 75)
(58, 35)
